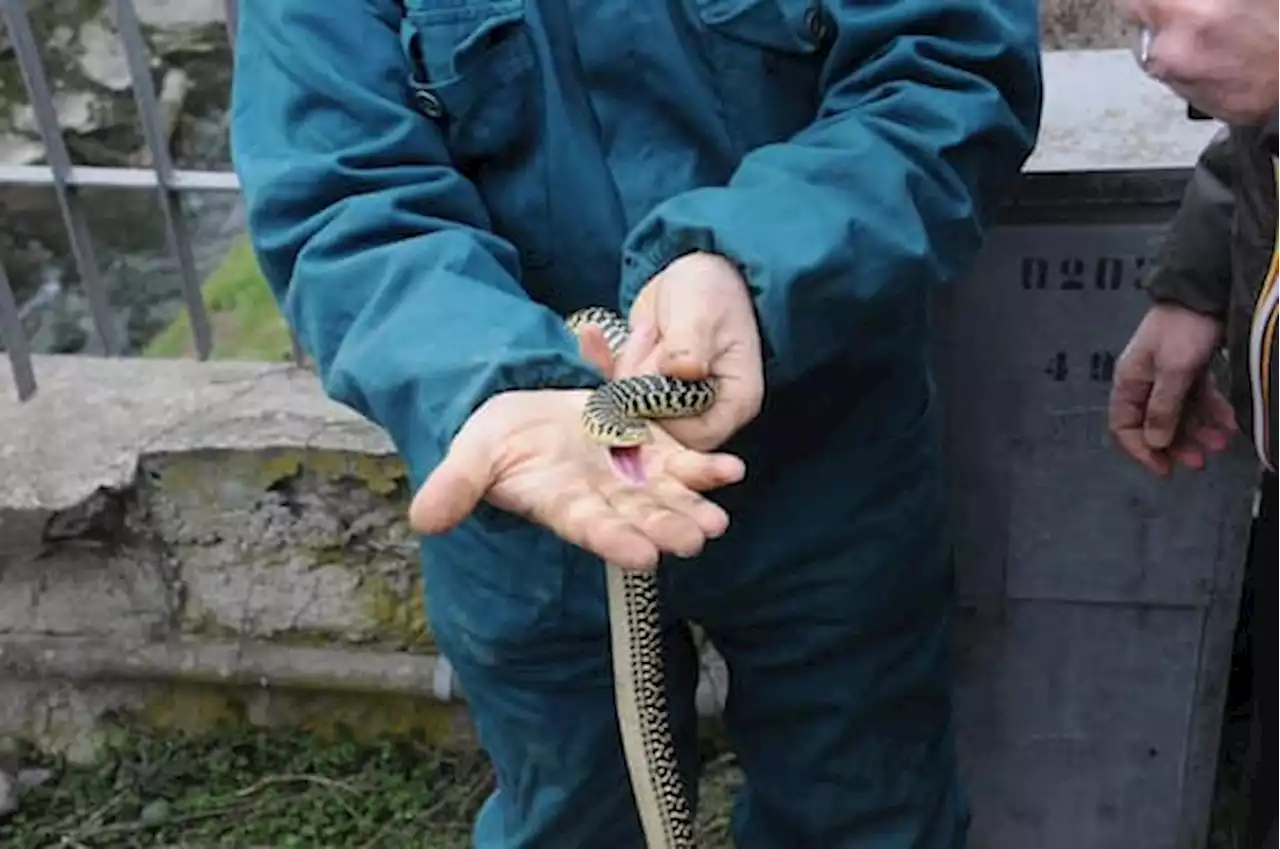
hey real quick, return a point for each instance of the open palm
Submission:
(525, 452)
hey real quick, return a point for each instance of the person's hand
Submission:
(695, 320)
(525, 452)
(1219, 55)
(1165, 408)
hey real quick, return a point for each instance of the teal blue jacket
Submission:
(432, 186)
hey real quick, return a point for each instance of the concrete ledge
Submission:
(252, 664)
(170, 528)
(239, 664)
(94, 419)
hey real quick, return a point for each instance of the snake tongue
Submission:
(627, 461)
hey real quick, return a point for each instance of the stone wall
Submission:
(185, 542)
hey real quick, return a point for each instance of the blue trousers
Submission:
(829, 600)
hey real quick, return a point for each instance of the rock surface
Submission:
(88, 70)
(8, 794)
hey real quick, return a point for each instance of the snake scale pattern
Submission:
(615, 415)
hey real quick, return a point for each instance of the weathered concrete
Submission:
(181, 541)
(152, 507)
(241, 503)
(1081, 24)
(1101, 113)
(53, 458)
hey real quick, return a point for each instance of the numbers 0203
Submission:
(1082, 274)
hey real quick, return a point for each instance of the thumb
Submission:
(595, 349)
(454, 488)
(1164, 407)
(688, 336)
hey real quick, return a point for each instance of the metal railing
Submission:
(67, 180)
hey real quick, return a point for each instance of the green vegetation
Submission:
(242, 787)
(247, 324)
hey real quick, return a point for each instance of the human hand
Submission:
(1165, 407)
(1219, 55)
(525, 452)
(695, 320)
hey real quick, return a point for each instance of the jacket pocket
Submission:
(476, 75)
(767, 58)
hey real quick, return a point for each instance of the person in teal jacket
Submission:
(770, 190)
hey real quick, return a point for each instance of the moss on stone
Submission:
(198, 622)
(335, 715)
(384, 475)
(259, 469)
(193, 708)
(203, 476)
(212, 502)
(200, 709)
(402, 620)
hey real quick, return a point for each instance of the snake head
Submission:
(616, 433)
(606, 420)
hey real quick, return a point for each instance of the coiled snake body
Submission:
(615, 416)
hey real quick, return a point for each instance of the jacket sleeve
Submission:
(928, 111)
(1193, 267)
(378, 251)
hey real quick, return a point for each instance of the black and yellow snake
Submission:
(615, 415)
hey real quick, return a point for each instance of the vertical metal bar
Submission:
(232, 8)
(15, 341)
(175, 225)
(38, 90)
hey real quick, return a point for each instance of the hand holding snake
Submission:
(627, 492)
(694, 321)
(524, 451)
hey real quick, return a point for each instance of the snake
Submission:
(616, 415)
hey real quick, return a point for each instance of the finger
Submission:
(453, 489)
(705, 433)
(1127, 404)
(739, 395)
(1189, 455)
(1219, 410)
(668, 529)
(595, 349)
(1203, 426)
(640, 347)
(1126, 414)
(711, 518)
(1212, 437)
(1134, 443)
(581, 515)
(688, 337)
(695, 470)
(1165, 406)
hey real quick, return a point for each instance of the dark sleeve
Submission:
(1193, 268)
(928, 110)
(377, 248)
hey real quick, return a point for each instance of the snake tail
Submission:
(640, 694)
